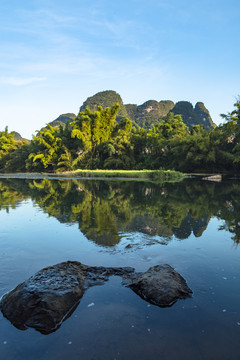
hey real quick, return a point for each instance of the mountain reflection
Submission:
(105, 210)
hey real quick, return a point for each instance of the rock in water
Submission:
(45, 299)
(160, 285)
(50, 296)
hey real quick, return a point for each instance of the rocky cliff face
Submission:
(186, 110)
(152, 111)
(63, 119)
(17, 136)
(165, 106)
(105, 99)
(147, 114)
(198, 115)
(203, 115)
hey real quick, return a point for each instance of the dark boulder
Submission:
(160, 285)
(50, 296)
(47, 298)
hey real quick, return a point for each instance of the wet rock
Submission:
(50, 296)
(160, 285)
(129, 246)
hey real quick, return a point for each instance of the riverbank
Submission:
(156, 175)
(137, 174)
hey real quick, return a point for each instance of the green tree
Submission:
(120, 147)
(93, 129)
(193, 152)
(232, 130)
(17, 159)
(221, 146)
(139, 143)
(46, 150)
(8, 144)
(161, 139)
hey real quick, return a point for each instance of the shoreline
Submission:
(152, 175)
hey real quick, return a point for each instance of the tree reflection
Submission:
(9, 198)
(104, 210)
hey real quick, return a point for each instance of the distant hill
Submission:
(149, 113)
(105, 99)
(17, 136)
(165, 106)
(203, 115)
(62, 119)
(193, 116)
(145, 115)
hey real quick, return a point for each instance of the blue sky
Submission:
(56, 53)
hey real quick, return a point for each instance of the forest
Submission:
(97, 140)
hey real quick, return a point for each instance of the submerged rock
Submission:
(47, 298)
(160, 285)
(50, 296)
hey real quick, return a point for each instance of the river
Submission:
(193, 225)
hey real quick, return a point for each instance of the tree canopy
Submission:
(94, 139)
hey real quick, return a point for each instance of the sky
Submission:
(56, 53)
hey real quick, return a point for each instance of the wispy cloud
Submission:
(50, 28)
(20, 81)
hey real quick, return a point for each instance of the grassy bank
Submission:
(161, 175)
(155, 175)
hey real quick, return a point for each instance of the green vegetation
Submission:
(9, 198)
(165, 106)
(63, 119)
(105, 99)
(203, 116)
(158, 175)
(150, 112)
(131, 111)
(193, 116)
(95, 140)
(9, 146)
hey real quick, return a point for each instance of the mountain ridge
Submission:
(147, 114)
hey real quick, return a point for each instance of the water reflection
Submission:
(9, 198)
(105, 210)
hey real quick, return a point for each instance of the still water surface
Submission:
(194, 226)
